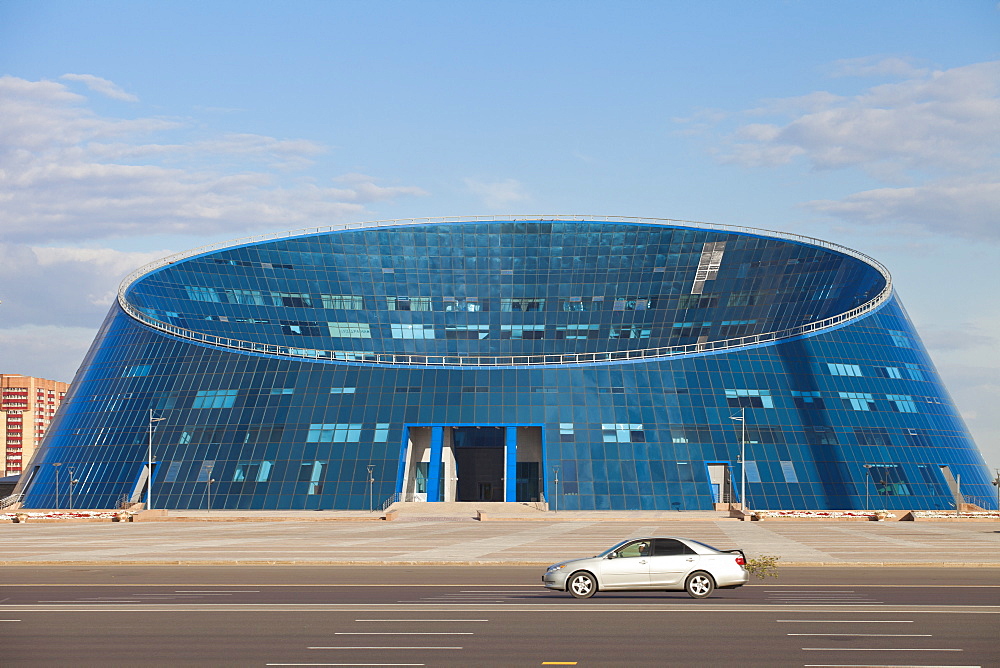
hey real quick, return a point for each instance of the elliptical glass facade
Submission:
(590, 364)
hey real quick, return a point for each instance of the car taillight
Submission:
(740, 561)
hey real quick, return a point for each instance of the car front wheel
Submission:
(699, 585)
(582, 585)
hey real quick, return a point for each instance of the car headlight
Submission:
(555, 567)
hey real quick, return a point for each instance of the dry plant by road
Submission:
(764, 566)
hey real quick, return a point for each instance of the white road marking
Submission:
(233, 591)
(421, 620)
(501, 591)
(427, 600)
(866, 635)
(383, 647)
(845, 621)
(10, 620)
(404, 633)
(879, 649)
(872, 665)
(347, 664)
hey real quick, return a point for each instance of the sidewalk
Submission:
(520, 536)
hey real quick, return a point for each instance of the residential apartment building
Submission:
(27, 406)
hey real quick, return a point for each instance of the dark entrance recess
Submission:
(479, 460)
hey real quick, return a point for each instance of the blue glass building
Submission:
(593, 364)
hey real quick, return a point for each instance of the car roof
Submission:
(686, 540)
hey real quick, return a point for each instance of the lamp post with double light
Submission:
(996, 483)
(555, 482)
(149, 462)
(741, 418)
(72, 483)
(868, 480)
(371, 488)
(56, 465)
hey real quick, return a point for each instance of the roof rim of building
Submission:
(406, 359)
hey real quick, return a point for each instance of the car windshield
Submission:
(613, 548)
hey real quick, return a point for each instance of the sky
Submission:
(133, 130)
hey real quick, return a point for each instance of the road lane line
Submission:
(873, 665)
(845, 621)
(421, 620)
(382, 647)
(431, 601)
(879, 649)
(403, 633)
(350, 664)
(866, 635)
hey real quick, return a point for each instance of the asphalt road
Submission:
(488, 616)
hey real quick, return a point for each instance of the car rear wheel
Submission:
(582, 585)
(699, 585)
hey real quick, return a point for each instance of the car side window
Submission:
(638, 549)
(667, 547)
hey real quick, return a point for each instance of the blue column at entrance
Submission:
(434, 470)
(510, 474)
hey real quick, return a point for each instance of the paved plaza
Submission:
(191, 537)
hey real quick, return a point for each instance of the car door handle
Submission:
(642, 561)
(690, 558)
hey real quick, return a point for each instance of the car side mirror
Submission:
(613, 555)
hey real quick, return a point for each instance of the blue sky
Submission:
(129, 130)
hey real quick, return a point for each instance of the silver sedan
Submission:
(643, 564)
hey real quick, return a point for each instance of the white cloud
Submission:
(933, 139)
(68, 174)
(943, 120)
(362, 188)
(877, 66)
(497, 194)
(964, 209)
(62, 285)
(102, 86)
(45, 351)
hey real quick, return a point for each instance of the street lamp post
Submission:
(882, 480)
(72, 482)
(149, 462)
(208, 508)
(741, 418)
(868, 479)
(371, 487)
(57, 465)
(555, 482)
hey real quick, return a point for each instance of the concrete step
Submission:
(497, 511)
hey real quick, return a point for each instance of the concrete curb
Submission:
(485, 562)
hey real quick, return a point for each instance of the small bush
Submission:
(766, 565)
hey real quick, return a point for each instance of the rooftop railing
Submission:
(408, 359)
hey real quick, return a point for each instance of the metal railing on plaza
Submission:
(410, 359)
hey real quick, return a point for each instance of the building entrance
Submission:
(479, 459)
(475, 463)
(721, 483)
